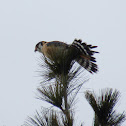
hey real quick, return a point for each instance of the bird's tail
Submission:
(85, 58)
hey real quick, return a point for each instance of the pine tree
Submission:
(60, 88)
(60, 94)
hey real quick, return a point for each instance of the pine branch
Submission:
(103, 107)
(63, 93)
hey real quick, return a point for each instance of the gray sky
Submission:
(25, 22)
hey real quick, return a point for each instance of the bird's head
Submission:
(39, 46)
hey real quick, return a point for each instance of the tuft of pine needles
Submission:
(103, 106)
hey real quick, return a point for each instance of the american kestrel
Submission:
(81, 52)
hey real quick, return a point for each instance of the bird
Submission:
(79, 51)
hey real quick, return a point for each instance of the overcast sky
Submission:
(23, 23)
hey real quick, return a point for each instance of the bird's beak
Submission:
(35, 50)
